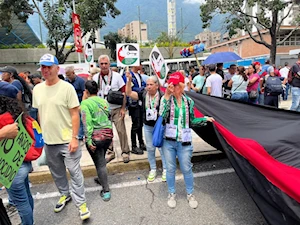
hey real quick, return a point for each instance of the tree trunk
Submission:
(273, 34)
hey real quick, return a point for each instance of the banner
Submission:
(128, 55)
(262, 145)
(12, 154)
(159, 65)
(88, 52)
(77, 33)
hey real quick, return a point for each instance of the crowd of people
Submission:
(73, 110)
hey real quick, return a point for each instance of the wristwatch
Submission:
(76, 137)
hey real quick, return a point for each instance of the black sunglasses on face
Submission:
(103, 63)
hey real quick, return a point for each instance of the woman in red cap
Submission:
(177, 110)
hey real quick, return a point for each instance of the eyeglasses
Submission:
(103, 63)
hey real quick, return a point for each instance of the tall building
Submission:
(132, 30)
(210, 38)
(171, 17)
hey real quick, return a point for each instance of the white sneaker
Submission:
(151, 176)
(172, 200)
(192, 201)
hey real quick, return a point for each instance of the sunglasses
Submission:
(103, 63)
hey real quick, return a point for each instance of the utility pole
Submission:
(139, 13)
(40, 25)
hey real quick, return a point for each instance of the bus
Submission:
(175, 64)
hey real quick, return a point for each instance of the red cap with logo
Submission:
(176, 78)
(256, 63)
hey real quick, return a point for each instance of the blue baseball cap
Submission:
(48, 60)
(8, 90)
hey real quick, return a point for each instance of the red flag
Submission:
(77, 32)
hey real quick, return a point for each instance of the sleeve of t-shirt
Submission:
(72, 99)
(95, 78)
(34, 100)
(208, 82)
(121, 83)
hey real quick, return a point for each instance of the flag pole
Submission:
(74, 10)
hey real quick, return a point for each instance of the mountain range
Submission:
(154, 14)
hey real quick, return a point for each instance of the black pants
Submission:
(136, 114)
(271, 100)
(98, 157)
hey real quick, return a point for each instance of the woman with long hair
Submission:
(252, 88)
(97, 125)
(19, 191)
(150, 103)
(177, 109)
(239, 83)
(198, 83)
(10, 75)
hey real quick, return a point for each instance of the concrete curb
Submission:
(120, 167)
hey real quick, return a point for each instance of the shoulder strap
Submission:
(238, 86)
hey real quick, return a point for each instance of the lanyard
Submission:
(174, 112)
(108, 81)
(151, 104)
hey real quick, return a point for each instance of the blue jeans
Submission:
(171, 149)
(20, 194)
(81, 130)
(295, 99)
(148, 130)
(285, 92)
(241, 96)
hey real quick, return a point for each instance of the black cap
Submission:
(36, 75)
(9, 69)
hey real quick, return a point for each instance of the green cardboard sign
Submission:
(12, 154)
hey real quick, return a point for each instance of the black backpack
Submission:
(273, 86)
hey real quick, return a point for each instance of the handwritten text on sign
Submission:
(12, 154)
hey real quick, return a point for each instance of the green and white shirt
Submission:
(179, 119)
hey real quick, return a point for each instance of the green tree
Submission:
(57, 17)
(238, 17)
(169, 43)
(112, 39)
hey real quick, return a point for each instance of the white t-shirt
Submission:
(117, 83)
(239, 84)
(214, 81)
(284, 72)
(186, 81)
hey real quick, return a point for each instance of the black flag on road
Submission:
(263, 146)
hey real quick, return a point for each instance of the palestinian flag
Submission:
(263, 146)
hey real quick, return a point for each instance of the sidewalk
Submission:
(137, 162)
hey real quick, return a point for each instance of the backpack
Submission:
(273, 86)
(33, 129)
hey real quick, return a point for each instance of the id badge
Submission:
(106, 89)
(151, 114)
(186, 135)
(171, 130)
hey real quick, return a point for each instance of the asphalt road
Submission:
(222, 199)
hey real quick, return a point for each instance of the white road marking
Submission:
(131, 184)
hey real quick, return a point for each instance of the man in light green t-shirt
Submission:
(58, 107)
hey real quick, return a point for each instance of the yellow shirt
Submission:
(53, 103)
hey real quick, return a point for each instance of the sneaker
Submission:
(151, 176)
(84, 212)
(136, 150)
(62, 203)
(143, 147)
(110, 155)
(164, 176)
(11, 210)
(105, 195)
(126, 158)
(172, 200)
(192, 201)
